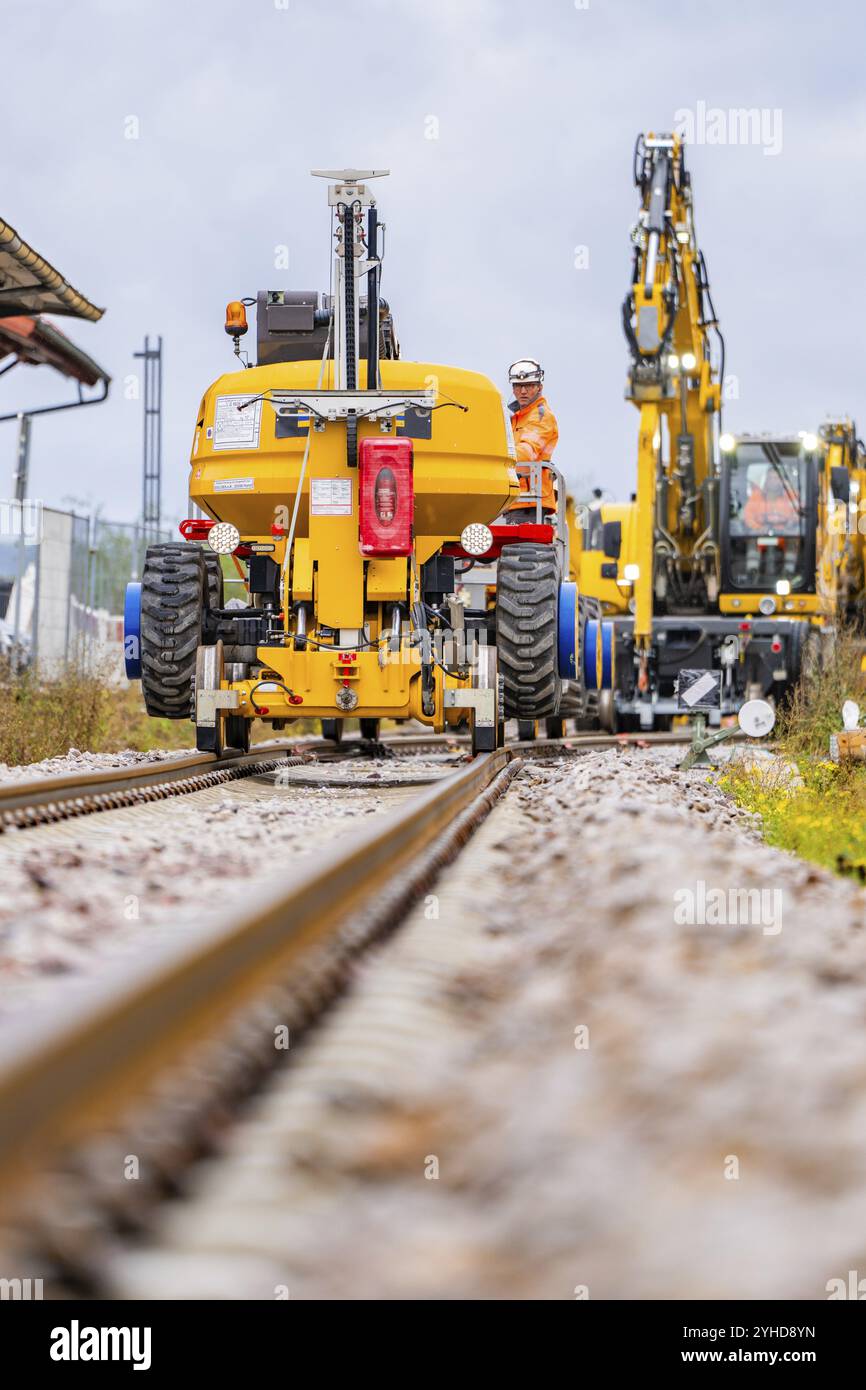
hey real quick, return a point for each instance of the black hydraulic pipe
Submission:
(349, 279)
(372, 302)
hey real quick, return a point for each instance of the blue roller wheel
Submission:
(568, 636)
(132, 631)
(593, 654)
(608, 655)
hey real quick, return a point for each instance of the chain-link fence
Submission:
(62, 583)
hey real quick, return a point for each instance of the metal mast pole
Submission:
(151, 508)
(22, 471)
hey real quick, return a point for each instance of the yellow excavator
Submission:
(737, 559)
(738, 555)
(677, 365)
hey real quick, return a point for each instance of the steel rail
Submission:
(78, 1069)
(108, 788)
(39, 791)
(44, 800)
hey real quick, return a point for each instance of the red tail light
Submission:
(387, 492)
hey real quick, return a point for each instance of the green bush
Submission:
(42, 718)
(824, 818)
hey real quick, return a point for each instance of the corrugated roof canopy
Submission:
(41, 343)
(29, 285)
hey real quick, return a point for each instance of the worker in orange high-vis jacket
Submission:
(535, 431)
(773, 507)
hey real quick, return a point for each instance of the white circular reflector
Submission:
(767, 605)
(224, 538)
(476, 538)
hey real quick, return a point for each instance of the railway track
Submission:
(45, 800)
(151, 1057)
(145, 1058)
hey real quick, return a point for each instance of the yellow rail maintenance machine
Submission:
(351, 489)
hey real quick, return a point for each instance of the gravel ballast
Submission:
(77, 761)
(550, 1083)
(78, 891)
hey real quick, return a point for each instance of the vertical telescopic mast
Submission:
(352, 260)
(347, 401)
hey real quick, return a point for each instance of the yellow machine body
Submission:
(463, 473)
(602, 576)
(840, 549)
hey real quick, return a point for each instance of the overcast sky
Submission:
(535, 108)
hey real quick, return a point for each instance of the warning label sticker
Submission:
(236, 428)
(233, 485)
(331, 496)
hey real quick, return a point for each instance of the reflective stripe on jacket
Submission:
(535, 430)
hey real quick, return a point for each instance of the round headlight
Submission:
(224, 538)
(767, 605)
(476, 538)
(727, 443)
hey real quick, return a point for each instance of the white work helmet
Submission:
(526, 369)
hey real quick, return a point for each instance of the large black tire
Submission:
(173, 599)
(215, 582)
(527, 622)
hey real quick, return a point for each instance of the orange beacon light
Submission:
(236, 319)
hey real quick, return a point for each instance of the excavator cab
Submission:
(768, 511)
